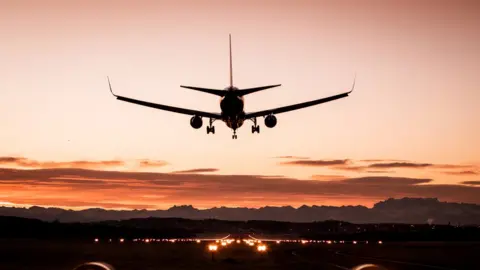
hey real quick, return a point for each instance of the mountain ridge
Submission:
(405, 210)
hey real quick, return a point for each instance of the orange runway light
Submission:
(212, 248)
(261, 248)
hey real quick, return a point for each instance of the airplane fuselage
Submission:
(232, 107)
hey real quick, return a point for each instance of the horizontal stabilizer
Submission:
(217, 92)
(247, 91)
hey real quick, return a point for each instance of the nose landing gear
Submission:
(234, 136)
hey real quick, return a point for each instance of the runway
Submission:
(150, 255)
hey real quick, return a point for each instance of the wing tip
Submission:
(353, 85)
(110, 86)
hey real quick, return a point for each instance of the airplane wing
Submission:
(165, 107)
(299, 105)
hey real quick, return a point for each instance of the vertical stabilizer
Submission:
(231, 69)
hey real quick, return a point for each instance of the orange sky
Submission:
(414, 110)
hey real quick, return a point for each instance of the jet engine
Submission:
(270, 121)
(196, 122)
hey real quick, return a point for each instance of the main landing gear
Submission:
(210, 127)
(234, 136)
(255, 127)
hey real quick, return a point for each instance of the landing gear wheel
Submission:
(255, 129)
(234, 137)
(210, 129)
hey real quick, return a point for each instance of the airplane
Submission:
(231, 105)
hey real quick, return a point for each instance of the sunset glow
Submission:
(411, 128)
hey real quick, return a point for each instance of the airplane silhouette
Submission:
(232, 106)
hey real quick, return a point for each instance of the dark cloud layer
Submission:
(142, 188)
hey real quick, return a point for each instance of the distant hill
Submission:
(406, 210)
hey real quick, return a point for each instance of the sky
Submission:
(410, 127)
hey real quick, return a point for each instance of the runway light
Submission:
(354, 242)
(147, 240)
(304, 241)
(96, 240)
(380, 242)
(212, 247)
(224, 243)
(121, 240)
(278, 242)
(262, 248)
(238, 241)
(198, 241)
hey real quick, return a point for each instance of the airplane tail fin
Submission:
(231, 67)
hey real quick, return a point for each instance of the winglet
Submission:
(353, 85)
(110, 86)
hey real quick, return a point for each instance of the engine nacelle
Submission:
(270, 121)
(196, 122)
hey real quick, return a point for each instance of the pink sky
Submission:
(416, 97)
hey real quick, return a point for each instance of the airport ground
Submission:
(65, 255)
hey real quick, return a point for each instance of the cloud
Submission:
(202, 170)
(29, 163)
(378, 165)
(462, 173)
(473, 183)
(22, 162)
(145, 163)
(316, 163)
(291, 157)
(349, 168)
(400, 165)
(381, 160)
(379, 171)
(82, 187)
(327, 177)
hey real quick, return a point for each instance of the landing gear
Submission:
(210, 127)
(255, 127)
(234, 136)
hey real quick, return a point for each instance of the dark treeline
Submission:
(14, 227)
